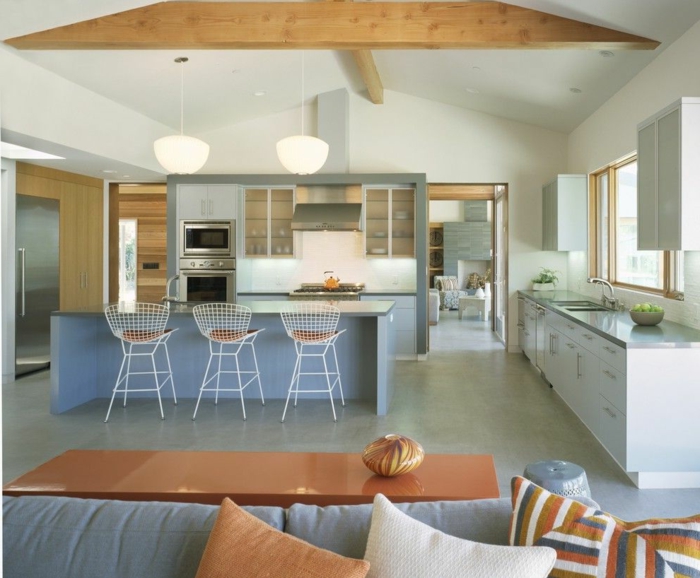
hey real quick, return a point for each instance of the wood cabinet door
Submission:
(93, 254)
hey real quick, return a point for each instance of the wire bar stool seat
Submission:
(313, 328)
(140, 327)
(226, 326)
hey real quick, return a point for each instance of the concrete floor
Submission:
(469, 397)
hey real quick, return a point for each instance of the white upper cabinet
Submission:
(564, 214)
(668, 178)
(206, 202)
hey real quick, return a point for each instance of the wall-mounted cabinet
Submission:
(668, 178)
(390, 222)
(564, 214)
(268, 223)
(206, 202)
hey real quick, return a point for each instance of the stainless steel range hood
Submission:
(328, 208)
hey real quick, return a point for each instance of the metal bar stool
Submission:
(312, 326)
(226, 324)
(141, 330)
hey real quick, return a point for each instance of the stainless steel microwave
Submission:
(208, 239)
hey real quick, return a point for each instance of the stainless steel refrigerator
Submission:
(37, 228)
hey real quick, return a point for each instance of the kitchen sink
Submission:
(580, 306)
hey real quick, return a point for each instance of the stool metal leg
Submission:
(170, 373)
(204, 381)
(328, 381)
(128, 371)
(240, 382)
(155, 377)
(257, 372)
(337, 369)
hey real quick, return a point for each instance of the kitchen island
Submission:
(85, 356)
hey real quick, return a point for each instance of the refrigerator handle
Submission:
(22, 279)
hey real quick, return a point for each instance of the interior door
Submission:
(500, 260)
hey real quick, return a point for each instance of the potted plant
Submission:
(546, 280)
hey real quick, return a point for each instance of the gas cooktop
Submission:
(318, 290)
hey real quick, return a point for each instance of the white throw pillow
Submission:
(401, 547)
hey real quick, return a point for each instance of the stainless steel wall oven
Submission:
(206, 280)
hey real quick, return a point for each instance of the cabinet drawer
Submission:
(613, 430)
(613, 355)
(613, 386)
(555, 321)
(589, 340)
(569, 328)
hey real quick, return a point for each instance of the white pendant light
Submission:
(180, 154)
(301, 154)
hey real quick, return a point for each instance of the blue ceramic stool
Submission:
(561, 478)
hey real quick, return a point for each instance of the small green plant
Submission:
(547, 276)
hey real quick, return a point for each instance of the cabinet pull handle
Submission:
(86, 279)
(203, 208)
(572, 327)
(571, 346)
(578, 365)
(211, 208)
(23, 279)
(521, 325)
(526, 332)
(612, 351)
(556, 341)
(551, 347)
(610, 375)
(610, 412)
(587, 336)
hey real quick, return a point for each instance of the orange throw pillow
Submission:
(243, 546)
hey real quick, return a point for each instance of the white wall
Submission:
(47, 106)
(445, 211)
(611, 133)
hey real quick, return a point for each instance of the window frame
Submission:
(668, 263)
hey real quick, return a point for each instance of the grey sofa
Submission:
(49, 537)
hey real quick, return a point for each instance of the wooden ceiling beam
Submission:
(330, 26)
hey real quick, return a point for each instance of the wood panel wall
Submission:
(81, 229)
(147, 204)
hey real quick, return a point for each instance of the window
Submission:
(614, 255)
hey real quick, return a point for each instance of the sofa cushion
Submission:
(344, 529)
(616, 548)
(243, 546)
(50, 537)
(401, 547)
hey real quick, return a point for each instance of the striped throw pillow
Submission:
(592, 543)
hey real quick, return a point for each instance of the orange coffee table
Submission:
(252, 478)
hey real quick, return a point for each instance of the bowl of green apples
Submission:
(646, 314)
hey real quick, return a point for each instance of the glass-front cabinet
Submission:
(268, 222)
(390, 222)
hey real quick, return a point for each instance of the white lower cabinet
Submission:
(612, 430)
(405, 321)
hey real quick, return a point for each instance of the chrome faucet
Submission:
(167, 299)
(611, 301)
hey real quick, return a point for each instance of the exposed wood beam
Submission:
(368, 71)
(330, 26)
(370, 76)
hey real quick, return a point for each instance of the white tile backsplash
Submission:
(319, 251)
(682, 312)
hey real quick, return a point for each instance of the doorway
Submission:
(465, 197)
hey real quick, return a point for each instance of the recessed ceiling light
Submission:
(12, 151)
(576, 90)
(259, 93)
(472, 90)
(606, 54)
(109, 171)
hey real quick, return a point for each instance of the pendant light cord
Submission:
(302, 93)
(182, 98)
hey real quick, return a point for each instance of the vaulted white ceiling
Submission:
(532, 86)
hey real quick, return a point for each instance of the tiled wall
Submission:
(340, 252)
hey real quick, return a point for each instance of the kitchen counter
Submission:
(85, 356)
(631, 385)
(617, 326)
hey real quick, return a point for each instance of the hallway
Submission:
(470, 396)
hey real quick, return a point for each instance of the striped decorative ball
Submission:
(393, 455)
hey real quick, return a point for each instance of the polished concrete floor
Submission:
(469, 397)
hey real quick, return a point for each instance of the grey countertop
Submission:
(617, 326)
(347, 308)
